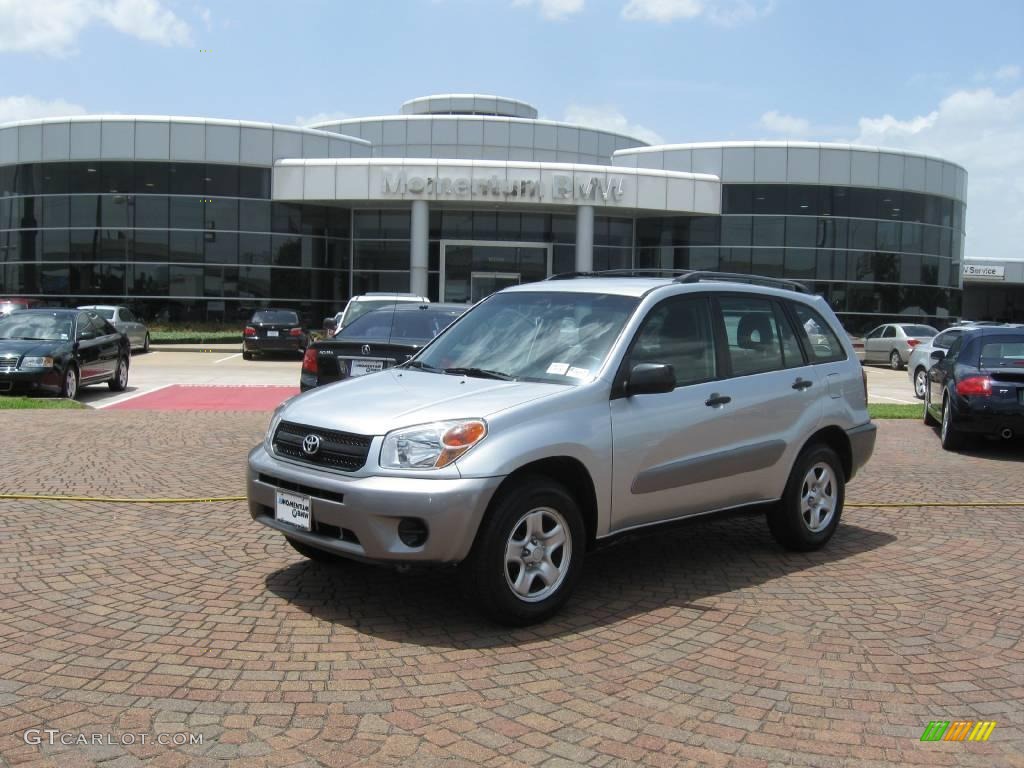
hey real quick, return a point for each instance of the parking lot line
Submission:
(897, 400)
(229, 357)
(132, 396)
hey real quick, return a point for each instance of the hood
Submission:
(381, 402)
(19, 347)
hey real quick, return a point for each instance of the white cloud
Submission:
(321, 117)
(984, 132)
(554, 10)
(787, 125)
(723, 13)
(609, 119)
(207, 17)
(53, 26)
(27, 108)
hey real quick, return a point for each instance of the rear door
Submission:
(88, 342)
(109, 339)
(872, 344)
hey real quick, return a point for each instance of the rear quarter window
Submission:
(821, 340)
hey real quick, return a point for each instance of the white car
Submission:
(125, 321)
(360, 305)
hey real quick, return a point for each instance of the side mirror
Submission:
(937, 355)
(650, 379)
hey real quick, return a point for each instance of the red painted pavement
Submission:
(187, 397)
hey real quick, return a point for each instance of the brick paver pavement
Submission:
(704, 646)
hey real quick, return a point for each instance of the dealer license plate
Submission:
(271, 333)
(363, 367)
(294, 509)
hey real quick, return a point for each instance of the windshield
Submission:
(1007, 352)
(357, 309)
(919, 330)
(544, 336)
(400, 325)
(278, 316)
(31, 326)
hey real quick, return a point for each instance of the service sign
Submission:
(981, 272)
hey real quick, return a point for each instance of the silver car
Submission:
(892, 343)
(555, 416)
(125, 321)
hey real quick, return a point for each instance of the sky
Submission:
(934, 76)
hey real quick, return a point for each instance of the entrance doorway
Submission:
(472, 269)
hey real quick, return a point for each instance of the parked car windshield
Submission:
(23, 325)
(1005, 352)
(544, 336)
(919, 330)
(420, 324)
(275, 316)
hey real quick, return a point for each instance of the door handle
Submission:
(716, 400)
(802, 384)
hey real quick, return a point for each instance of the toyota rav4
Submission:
(556, 415)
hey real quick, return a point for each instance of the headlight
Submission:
(275, 420)
(36, 362)
(431, 446)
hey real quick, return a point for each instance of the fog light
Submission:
(412, 531)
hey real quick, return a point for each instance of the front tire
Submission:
(952, 438)
(920, 383)
(808, 513)
(69, 388)
(145, 345)
(528, 553)
(895, 361)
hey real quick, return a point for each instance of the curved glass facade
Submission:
(874, 254)
(179, 241)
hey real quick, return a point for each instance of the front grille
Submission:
(338, 450)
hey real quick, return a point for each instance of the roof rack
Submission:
(638, 272)
(689, 276)
(736, 277)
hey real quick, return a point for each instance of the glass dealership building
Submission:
(456, 196)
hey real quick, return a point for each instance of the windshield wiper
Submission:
(420, 365)
(480, 373)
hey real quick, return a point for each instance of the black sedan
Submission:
(977, 386)
(274, 330)
(57, 351)
(377, 340)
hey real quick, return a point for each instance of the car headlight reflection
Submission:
(431, 446)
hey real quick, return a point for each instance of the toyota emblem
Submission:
(366, 349)
(311, 444)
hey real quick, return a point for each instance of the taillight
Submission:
(250, 331)
(974, 385)
(295, 332)
(913, 342)
(309, 363)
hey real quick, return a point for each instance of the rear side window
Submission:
(678, 332)
(822, 341)
(753, 334)
(1002, 352)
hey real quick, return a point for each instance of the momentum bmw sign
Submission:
(596, 188)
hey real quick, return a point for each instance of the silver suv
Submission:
(554, 416)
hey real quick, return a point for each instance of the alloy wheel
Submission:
(920, 382)
(537, 554)
(818, 497)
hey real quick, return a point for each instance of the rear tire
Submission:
(317, 555)
(895, 361)
(808, 513)
(120, 381)
(952, 438)
(528, 554)
(69, 388)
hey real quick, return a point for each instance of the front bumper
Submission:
(862, 445)
(358, 517)
(33, 382)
